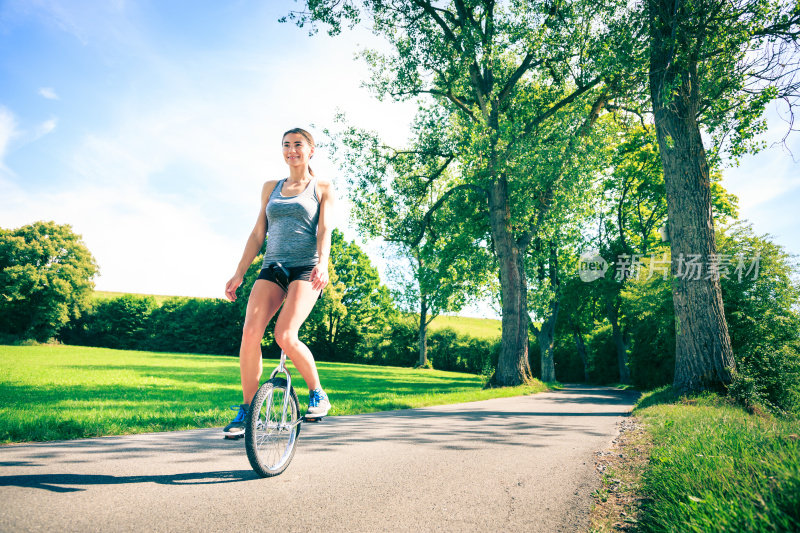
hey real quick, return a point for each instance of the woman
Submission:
(297, 213)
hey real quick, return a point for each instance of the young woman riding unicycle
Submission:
(296, 214)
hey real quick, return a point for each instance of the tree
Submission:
(355, 313)
(761, 290)
(447, 268)
(714, 63)
(518, 88)
(46, 276)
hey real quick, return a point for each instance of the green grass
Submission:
(483, 328)
(714, 467)
(66, 392)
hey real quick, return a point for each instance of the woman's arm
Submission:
(254, 243)
(327, 200)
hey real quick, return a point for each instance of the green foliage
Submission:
(715, 468)
(356, 313)
(651, 326)
(46, 276)
(502, 146)
(602, 355)
(763, 323)
(462, 353)
(567, 362)
(730, 59)
(120, 322)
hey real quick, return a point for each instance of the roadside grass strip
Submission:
(69, 392)
(714, 467)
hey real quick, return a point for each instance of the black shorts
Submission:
(283, 276)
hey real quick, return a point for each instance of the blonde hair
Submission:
(308, 138)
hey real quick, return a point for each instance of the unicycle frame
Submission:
(281, 369)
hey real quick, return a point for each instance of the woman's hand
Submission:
(231, 286)
(319, 276)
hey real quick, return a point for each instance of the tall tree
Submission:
(521, 85)
(46, 275)
(390, 201)
(713, 63)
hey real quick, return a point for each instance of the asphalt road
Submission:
(516, 464)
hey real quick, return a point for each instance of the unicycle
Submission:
(273, 424)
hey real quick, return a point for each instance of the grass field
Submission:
(66, 392)
(483, 328)
(714, 467)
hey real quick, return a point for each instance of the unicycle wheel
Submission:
(269, 439)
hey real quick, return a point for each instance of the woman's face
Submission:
(296, 150)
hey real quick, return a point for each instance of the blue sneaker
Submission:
(236, 427)
(318, 404)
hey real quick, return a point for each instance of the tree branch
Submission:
(427, 218)
(527, 64)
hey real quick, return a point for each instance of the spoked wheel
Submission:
(270, 438)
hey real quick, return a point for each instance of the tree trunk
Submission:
(703, 354)
(612, 312)
(423, 332)
(546, 338)
(513, 367)
(546, 335)
(581, 347)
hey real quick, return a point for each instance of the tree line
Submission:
(524, 107)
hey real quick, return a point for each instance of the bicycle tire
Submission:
(270, 446)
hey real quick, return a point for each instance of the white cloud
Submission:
(48, 93)
(45, 127)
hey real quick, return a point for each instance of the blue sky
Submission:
(150, 127)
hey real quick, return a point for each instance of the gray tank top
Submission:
(292, 227)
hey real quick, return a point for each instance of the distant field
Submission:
(107, 295)
(484, 328)
(66, 392)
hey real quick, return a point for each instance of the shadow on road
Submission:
(475, 425)
(74, 482)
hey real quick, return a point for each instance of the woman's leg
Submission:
(264, 301)
(299, 302)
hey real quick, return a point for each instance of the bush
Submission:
(767, 377)
(651, 329)
(462, 353)
(762, 321)
(401, 346)
(567, 361)
(602, 355)
(120, 322)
